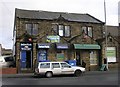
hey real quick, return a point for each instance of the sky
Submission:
(92, 7)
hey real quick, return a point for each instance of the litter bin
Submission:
(71, 62)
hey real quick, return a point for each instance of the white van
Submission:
(7, 61)
(57, 68)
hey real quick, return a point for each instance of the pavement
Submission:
(32, 74)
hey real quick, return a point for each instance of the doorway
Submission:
(26, 59)
(78, 58)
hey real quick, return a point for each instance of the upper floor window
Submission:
(67, 31)
(62, 30)
(32, 29)
(88, 31)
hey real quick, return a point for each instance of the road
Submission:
(88, 78)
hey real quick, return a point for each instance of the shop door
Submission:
(78, 58)
(42, 55)
(26, 59)
(23, 59)
(85, 56)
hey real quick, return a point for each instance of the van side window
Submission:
(45, 65)
(55, 65)
(64, 65)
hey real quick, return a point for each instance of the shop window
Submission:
(93, 58)
(60, 54)
(87, 31)
(61, 30)
(32, 29)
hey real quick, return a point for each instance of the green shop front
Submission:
(90, 54)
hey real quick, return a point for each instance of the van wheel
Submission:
(48, 74)
(77, 73)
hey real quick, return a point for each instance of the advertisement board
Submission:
(53, 39)
(111, 54)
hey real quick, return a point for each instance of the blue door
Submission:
(23, 59)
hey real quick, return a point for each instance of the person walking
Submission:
(105, 64)
(83, 64)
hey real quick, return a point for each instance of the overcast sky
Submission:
(92, 7)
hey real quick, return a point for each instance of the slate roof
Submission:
(113, 30)
(37, 14)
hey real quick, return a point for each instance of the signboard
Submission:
(111, 54)
(86, 46)
(53, 39)
(26, 46)
(62, 46)
(43, 45)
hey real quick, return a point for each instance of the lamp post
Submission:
(105, 34)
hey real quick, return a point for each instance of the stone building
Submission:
(113, 43)
(56, 36)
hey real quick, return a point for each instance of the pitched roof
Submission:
(113, 30)
(37, 14)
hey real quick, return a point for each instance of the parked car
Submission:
(49, 69)
(7, 61)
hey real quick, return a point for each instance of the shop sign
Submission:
(86, 46)
(111, 54)
(44, 45)
(26, 46)
(62, 46)
(53, 39)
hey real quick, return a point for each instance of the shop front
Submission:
(43, 51)
(61, 51)
(89, 53)
(26, 57)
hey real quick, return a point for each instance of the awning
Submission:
(44, 45)
(62, 46)
(86, 46)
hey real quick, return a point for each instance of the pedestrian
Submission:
(83, 64)
(105, 64)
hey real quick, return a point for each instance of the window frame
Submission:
(86, 31)
(31, 30)
(44, 65)
(57, 31)
(54, 65)
(65, 66)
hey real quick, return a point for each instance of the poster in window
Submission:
(111, 54)
(60, 55)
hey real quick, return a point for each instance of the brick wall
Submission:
(8, 71)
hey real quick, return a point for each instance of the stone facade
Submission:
(77, 46)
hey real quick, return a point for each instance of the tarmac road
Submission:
(88, 78)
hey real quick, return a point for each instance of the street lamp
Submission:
(105, 34)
